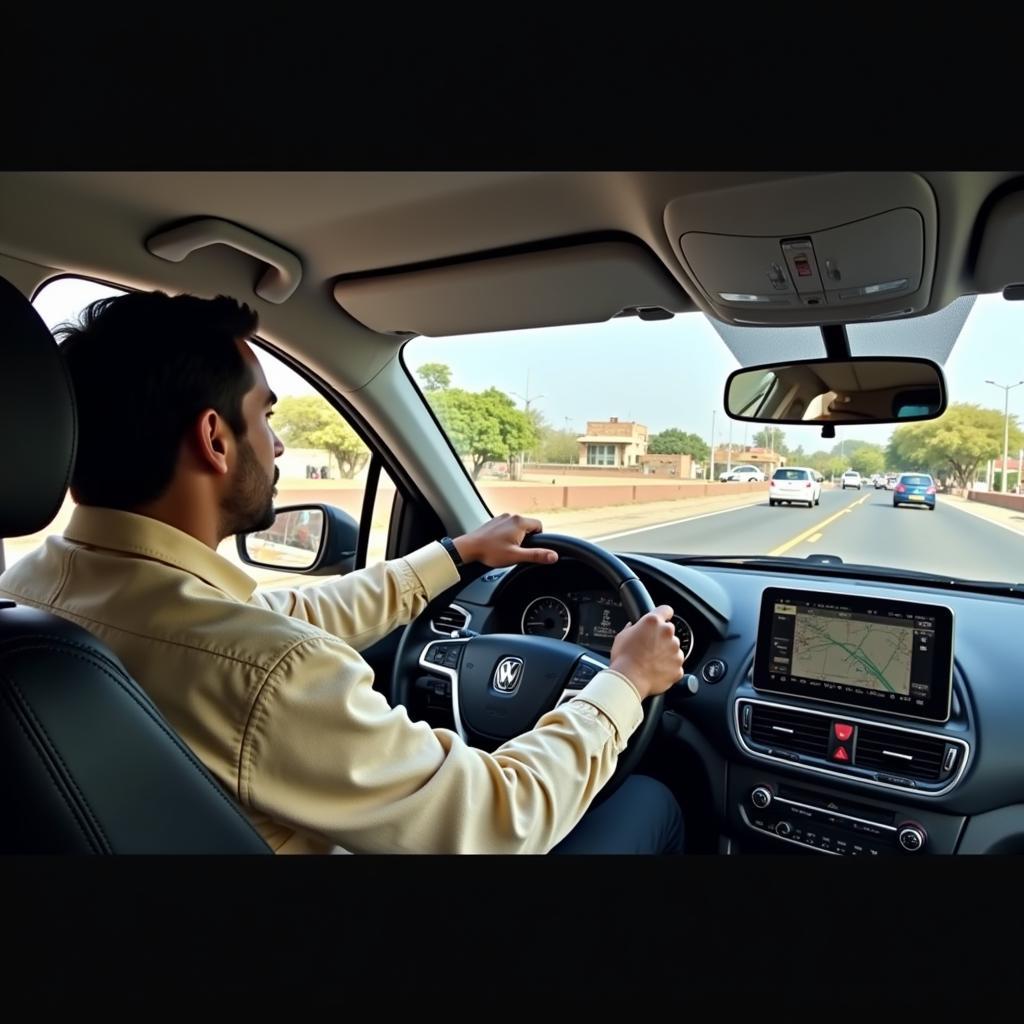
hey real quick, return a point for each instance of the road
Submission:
(857, 526)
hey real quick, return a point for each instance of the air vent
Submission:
(784, 729)
(907, 754)
(450, 620)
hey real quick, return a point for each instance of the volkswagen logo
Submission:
(508, 675)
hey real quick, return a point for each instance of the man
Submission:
(268, 689)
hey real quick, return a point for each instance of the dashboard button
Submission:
(713, 670)
(842, 731)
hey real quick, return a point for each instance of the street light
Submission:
(1007, 388)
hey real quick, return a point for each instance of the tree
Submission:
(675, 442)
(483, 425)
(956, 444)
(557, 445)
(434, 376)
(773, 438)
(310, 421)
(867, 458)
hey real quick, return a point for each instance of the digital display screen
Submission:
(599, 618)
(892, 656)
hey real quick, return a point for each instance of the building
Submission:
(764, 458)
(612, 443)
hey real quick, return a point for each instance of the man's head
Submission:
(171, 399)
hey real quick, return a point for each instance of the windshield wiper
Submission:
(827, 565)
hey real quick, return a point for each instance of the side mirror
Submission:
(313, 540)
(865, 389)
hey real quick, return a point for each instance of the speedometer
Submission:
(546, 616)
(684, 633)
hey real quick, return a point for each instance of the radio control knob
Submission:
(761, 797)
(911, 838)
(783, 828)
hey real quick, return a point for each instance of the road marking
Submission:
(816, 537)
(862, 500)
(674, 522)
(801, 537)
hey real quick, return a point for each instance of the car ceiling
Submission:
(360, 224)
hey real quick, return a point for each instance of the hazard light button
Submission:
(843, 731)
(840, 754)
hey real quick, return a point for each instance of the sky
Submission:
(665, 373)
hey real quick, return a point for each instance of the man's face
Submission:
(249, 499)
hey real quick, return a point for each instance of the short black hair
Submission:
(143, 367)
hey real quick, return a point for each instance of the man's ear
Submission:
(212, 441)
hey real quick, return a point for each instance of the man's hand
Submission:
(647, 653)
(497, 543)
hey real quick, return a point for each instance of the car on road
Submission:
(742, 474)
(890, 481)
(914, 489)
(878, 480)
(794, 485)
(851, 478)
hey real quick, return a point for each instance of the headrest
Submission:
(38, 429)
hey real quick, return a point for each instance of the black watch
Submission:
(449, 545)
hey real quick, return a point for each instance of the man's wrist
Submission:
(464, 546)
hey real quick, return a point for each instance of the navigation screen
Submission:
(894, 656)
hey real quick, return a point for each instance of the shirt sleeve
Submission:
(324, 752)
(366, 605)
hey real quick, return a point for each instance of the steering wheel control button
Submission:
(911, 838)
(713, 670)
(583, 674)
(761, 797)
(842, 731)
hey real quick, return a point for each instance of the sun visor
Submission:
(575, 284)
(1001, 253)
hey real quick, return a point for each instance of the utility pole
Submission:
(1007, 388)
(711, 457)
(527, 400)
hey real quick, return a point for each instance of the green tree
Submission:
(434, 376)
(676, 442)
(557, 445)
(310, 421)
(484, 425)
(773, 438)
(867, 458)
(956, 444)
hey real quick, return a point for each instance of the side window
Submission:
(324, 459)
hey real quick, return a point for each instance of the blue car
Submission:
(914, 489)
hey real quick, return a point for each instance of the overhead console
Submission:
(809, 249)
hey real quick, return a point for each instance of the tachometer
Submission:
(684, 633)
(546, 616)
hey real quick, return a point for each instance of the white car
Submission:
(794, 484)
(851, 478)
(742, 474)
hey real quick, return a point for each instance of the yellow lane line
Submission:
(801, 537)
(814, 539)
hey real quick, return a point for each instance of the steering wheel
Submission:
(502, 683)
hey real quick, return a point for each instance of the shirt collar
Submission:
(150, 538)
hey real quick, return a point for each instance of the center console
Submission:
(855, 688)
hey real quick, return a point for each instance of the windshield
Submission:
(616, 432)
(790, 474)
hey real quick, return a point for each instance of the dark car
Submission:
(914, 489)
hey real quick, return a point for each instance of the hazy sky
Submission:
(667, 373)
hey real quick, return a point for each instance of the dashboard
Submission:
(835, 714)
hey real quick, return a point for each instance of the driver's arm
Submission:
(323, 752)
(366, 605)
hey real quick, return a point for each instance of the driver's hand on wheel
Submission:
(498, 543)
(647, 653)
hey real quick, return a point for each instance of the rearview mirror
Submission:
(315, 540)
(869, 389)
